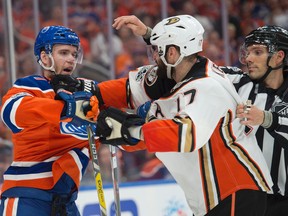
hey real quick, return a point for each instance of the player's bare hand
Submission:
(252, 116)
(132, 22)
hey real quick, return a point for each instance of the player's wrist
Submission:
(147, 35)
(267, 119)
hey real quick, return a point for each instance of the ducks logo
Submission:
(172, 20)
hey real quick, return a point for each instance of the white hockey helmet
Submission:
(184, 31)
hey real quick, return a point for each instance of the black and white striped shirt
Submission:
(274, 140)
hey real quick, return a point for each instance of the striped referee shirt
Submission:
(274, 140)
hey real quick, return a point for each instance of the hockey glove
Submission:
(113, 127)
(72, 84)
(143, 109)
(92, 110)
(75, 104)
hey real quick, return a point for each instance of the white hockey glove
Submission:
(74, 110)
(115, 127)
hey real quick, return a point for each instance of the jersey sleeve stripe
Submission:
(8, 112)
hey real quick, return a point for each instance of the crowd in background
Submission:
(89, 19)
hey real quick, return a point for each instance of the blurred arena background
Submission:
(110, 54)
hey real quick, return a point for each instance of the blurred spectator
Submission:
(248, 22)
(56, 17)
(278, 13)
(3, 78)
(132, 163)
(5, 157)
(26, 65)
(213, 47)
(188, 7)
(5, 133)
(153, 169)
(104, 157)
(100, 46)
(123, 64)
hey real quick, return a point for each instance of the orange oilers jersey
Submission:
(194, 132)
(44, 149)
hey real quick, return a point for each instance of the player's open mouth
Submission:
(68, 70)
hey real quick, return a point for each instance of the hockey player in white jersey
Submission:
(265, 84)
(194, 128)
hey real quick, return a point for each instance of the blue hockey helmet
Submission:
(51, 35)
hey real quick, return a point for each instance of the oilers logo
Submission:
(78, 132)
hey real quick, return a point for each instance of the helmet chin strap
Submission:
(269, 70)
(169, 66)
(51, 68)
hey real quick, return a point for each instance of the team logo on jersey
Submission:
(151, 76)
(172, 20)
(280, 108)
(79, 132)
(141, 74)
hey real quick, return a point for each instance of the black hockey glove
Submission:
(113, 127)
(72, 84)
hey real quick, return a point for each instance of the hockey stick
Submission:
(97, 173)
(115, 179)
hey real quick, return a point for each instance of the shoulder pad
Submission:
(141, 71)
(231, 70)
(34, 81)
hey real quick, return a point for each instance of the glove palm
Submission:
(113, 127)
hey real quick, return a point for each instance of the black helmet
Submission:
(274, 37)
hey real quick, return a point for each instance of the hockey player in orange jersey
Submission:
(49, 157)
(193, 128)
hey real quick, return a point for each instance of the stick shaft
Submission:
(115, 179)
(97, 173)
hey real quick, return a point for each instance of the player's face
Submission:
(256, 60)
(162, 69)
(65, 58)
